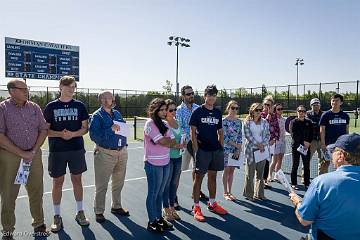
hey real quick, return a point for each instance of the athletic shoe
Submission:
(154, 227)
(57, 224)
(216, 208)
(166, 225)
(198, 216)
(81, 219)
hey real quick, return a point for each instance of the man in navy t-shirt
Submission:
(68, 122)
(333, 124)
(207, 137)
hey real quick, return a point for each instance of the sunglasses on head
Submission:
(301, 111)
(234, 108)
(189, 94)
(172, 110)
(279, 109)
(258, 110)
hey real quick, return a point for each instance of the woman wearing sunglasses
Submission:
(257, 135)
(301, 130)
(169, 195)
(232, 127)
(280, 144)
(274, 129)
(157, 141)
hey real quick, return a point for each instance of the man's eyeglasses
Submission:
(234, 108)
(189, 94)
(23, 89)
(258, 110)
(172, 110)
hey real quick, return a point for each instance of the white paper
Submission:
(279, 175)
(326, 155)
(124, 129)
(272, 148)
(182, 140)
(236, 162)
(301, 149)
(23, 173)
(261, 156)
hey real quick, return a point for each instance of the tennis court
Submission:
(271, 219)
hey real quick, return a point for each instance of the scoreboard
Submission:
(40, 60)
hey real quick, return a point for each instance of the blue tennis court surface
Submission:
(271, 219)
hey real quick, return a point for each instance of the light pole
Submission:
(299, 61)
(178, 42)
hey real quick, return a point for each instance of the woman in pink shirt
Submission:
(158, 140)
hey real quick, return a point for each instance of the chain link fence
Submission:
(134, 102)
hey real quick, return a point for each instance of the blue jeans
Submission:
(171, 185)
(157, 177)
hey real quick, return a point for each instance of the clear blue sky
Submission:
(233, 43)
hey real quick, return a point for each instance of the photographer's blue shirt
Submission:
(332, 203)
(101, 132)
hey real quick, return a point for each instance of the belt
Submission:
(114, 149)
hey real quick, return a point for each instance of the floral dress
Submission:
(232, 132)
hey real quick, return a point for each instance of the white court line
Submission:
(92, 185)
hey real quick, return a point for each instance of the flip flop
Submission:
(227, 197)
(233, 198)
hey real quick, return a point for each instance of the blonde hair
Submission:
(269, 98)
(228, 105)
(252, 108)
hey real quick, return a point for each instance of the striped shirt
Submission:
(21, 124)
(155, 154)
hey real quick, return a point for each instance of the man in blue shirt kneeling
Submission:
(331, 204)
(110, 156)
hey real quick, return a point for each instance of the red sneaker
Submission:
(216, 208)
(198, 214)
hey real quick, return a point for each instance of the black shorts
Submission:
(58, 161)
(209, 160)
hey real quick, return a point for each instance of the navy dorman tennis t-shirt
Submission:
(335, 125)
(207, 122)
(65, 115)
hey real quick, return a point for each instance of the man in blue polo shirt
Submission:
(330, 204)
(110, 156)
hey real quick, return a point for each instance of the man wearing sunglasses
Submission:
(333, 124)
(183, 115)
(22, 132)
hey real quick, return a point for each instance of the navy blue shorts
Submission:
(209, 160)
(58, 161)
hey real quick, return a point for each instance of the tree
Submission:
(167, 87)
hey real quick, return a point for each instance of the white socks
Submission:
(57, 209)
(79, 206)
